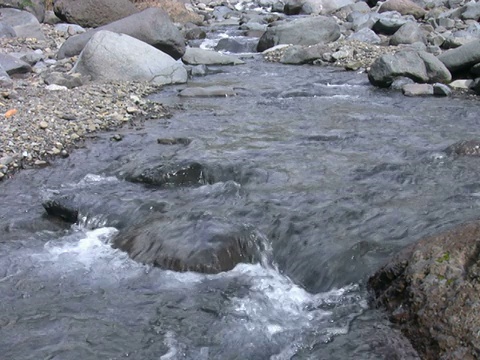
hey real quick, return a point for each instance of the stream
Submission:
(334, 175)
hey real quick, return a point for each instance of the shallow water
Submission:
(335, 175)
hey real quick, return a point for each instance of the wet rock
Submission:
(304, 54)
(152, 26)
(110, 57)
(195, 34)
(235, 46)
(23, 23)
(305, 31)
(62, 208)
(196, 242)
(463, 57)
(93, 13)
(174, 141)
(416, 65)
(441, 89)
(466, 147)
(197, 56)
(404, 7)
(209, 91)
(430, 290)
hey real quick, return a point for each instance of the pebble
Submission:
(43, 125)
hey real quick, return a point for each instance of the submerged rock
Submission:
(466, 147)
(431, 291)
(197, 242)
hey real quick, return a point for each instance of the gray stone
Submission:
(35, 7)
(70, 81)
(464, 84)
(360, 20)
(31, 57)
(195, 34)
(400, 82)
(463, 57)
(408, 34)
(197, 56)
(419, 66)
(110, 56)
(210, 91)
(152, 26)
(304, 54)
(471, 12)
(70, 29)
(5, 80)
(6, 31)
(447, 23)
(23, 23)
(304, 31)
(51, 18)
(365, 35)
(13, 66)
(417, 90)
(235, 46)
(388, 23)
(440, 89)
(323, 7)
(93, 13)
(404, 7)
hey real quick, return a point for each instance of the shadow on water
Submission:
(333, 175)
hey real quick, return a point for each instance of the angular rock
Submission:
(197, 56)
(388, 23)
(195, 242)
(408, 34)
(463, 57)
(93, 13)
(404, 7)
(471, 11)
(13, 66)
(210, 91)
(464, 84)
(365, 35)
(23, 23)
(304, 31)
(430, 291)
(152, 26)
(35, 7)
(441, 89)
(235, 46)
(70, 81)
(110, 56)
(417, 90)
(419, 66)
(171, 175)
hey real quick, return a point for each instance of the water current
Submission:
(335, 175)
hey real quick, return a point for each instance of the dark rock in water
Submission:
(62, 208)
(431, 291)
(235, 46)
(174, 141)
(197, 242)
(466, 147)
(171, 175)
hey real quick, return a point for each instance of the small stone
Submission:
(55, 87)
(64, 154)
(2, 175)
(117, 137)
(68, 116)
(417, 89)
(43, 125)
(131, 110)
(40, 163)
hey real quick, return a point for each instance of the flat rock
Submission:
(197, 56)
(110, 56)
(417, 90)
(210, 91)
(13, 66)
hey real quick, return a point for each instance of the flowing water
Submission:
(335, 176)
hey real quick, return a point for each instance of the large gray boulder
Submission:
(408, 34)
(463, 57)
(197, 56)
(22, 22)
(323, 7)
(305, 31)
(93, 13)
(35, 7)
(110, 56)
(419, 66)
(152, 26)
(430, 291)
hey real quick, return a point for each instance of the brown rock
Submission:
(404, 7)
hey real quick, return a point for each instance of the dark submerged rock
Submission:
(198, 242)
(431, 290)
(466, 147)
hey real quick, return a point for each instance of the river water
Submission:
(335, 175)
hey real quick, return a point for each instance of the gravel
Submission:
(39, 122)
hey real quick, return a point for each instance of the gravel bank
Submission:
(39, 122)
